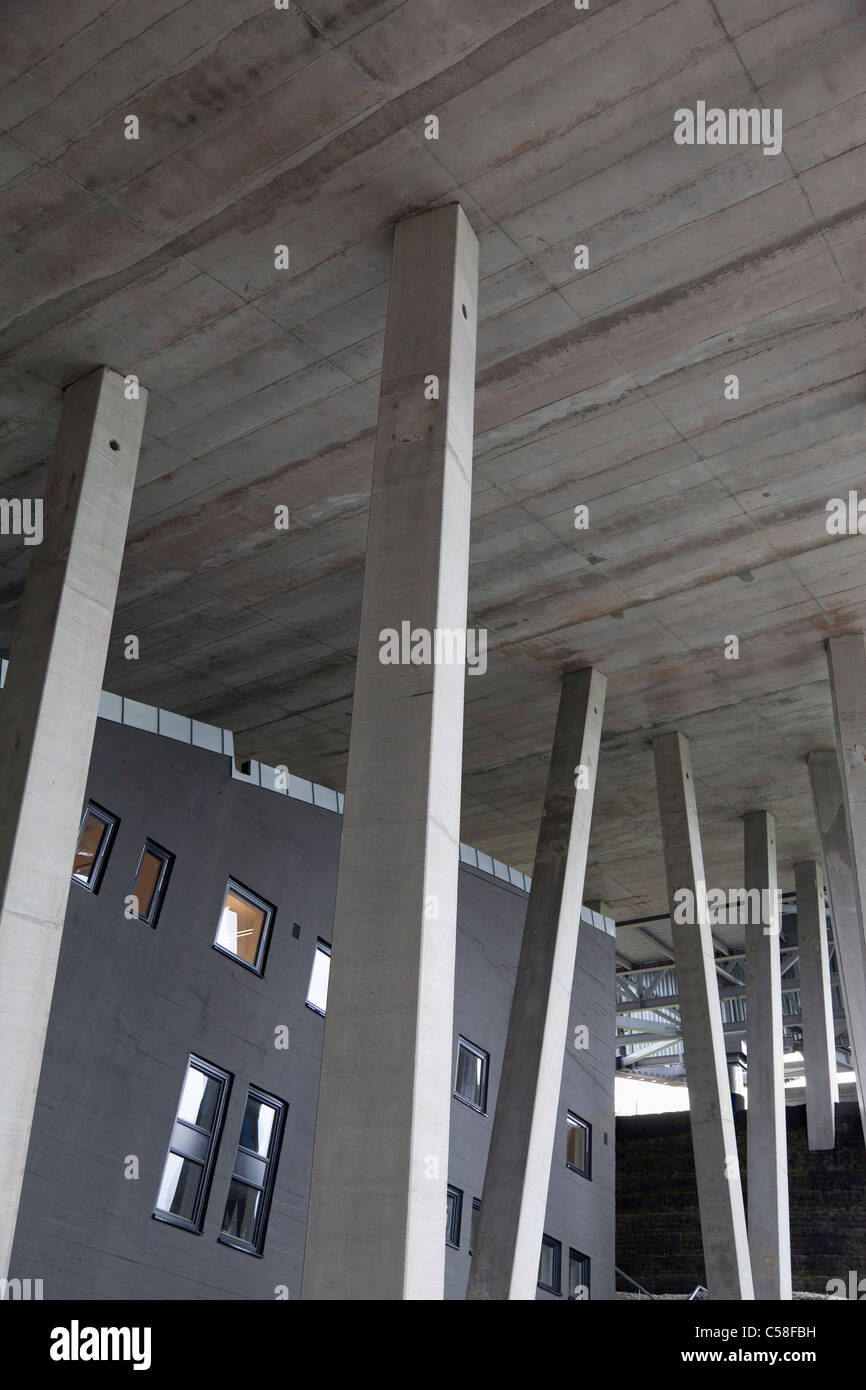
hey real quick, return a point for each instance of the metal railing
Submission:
(641, 1291)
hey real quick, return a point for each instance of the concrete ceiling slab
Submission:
(600, 387)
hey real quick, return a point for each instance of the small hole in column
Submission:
(463, 307)
(113, 444)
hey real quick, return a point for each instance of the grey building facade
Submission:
(134, 1002)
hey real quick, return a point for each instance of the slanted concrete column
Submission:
(378, 1194)
(767, 1137)
(816, 1007)
(838, 857)
(514, 1199)
(48, 715)
(717, 1169)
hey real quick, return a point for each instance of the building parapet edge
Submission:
(120, 709)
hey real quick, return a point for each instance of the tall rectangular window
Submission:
(472, 1068)
(97, 831)
(151, 880)
(317, 990)
(245, 1217)
(188, 1167)
(244, 926)
(473, 1223)
(578, 1145)
(550, 1265)
(578, 1276)
(453, 1217)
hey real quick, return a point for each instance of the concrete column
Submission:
(816, 1007)
(514, 1200)
(378, 1194)
(47, 719)
(838, 857)
(717, 1169)
(767, 1136)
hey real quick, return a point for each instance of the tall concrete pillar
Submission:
(717, 1169)
(838, 856)
(378, 1197)
(514, 1200)
(816, 1007)
(767, 1136)
(48, 715)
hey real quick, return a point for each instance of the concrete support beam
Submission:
(816, 1007)
(378, 1193)
(49, 709)
(767, 1136)
(720, 1194)
(844, 908)
(514, 1200)
(839, 790)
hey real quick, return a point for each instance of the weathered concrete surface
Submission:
(830, 817)
(600, 387)
(378, 1188)
(49, 713)
(514, 1201)
(717, 1170)
(816, 1007)
(769, 1226)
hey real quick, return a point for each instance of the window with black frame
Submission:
(95, 835)
(473, 1223)
(317, 990)
(453, 1217)
(471, 1082)
(550, 1265)
(578, 1145)
(578, 1276)
(248, 1203)
(151, 881)
(186, 1176)
(244, 927)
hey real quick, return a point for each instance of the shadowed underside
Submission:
(601, 387)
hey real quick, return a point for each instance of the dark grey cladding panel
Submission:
(131, 1003)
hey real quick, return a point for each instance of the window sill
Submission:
(470, 1105)
(253, 969)
(177, 1221)
(241, 1245)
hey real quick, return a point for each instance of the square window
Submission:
(244, 926)
(151, 880)
(317, 990)
(578, 1145)
(186, 1176)
(94, 842)
(472, 1068)
(453, 1217)
(550, 1264)
(254, 1170)
(578, 1276)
